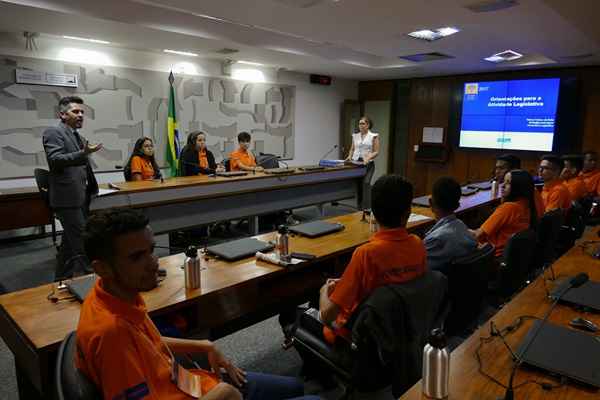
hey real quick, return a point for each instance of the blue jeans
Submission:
(273, 387)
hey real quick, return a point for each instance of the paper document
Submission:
(433, 135)
(104, 192)
(417, 218)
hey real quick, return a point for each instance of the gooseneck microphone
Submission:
(329, 152)
(574, 282)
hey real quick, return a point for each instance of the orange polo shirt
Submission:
(140, 165)
(391, 256)
(202, 159)
(556, 195)
(509, 218)
(592, 181)
(121, 351)
(243, 156)
(576, 187)
(539, 203)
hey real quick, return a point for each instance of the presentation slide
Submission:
(509, 115)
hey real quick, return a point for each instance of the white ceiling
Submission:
(354, 39)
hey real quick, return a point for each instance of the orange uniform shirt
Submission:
(539, 203)
(556, 195)
(592, 181)
(202, 160)
(139, 165)
(391, 256)
(509, 218)
(576, 187)
(120, 350)
(243, 156)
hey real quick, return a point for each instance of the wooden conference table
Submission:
(232, 295)
(184, 202)
(465, 380)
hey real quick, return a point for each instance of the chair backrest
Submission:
(267, 161)
(548, 231)
(468, 278)
(72, 384)
(43, 183)
(577, 218)
(227, 164)
(516, 263)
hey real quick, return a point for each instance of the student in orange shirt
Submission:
(516, 213)
(504, 164)
(591, 173)
(118, 346)
(571, 176)
(392, 255)
(141, 165)
(555, 194)
(196, 159)
(242, 158)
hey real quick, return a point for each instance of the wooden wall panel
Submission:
(430, 104)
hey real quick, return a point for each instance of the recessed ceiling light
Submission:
(506, 55)
(87, 39)
(249, 63)
(181, 53)
(434, 34)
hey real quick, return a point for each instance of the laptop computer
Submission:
(563, 351)
(229, 174)
(279, 171)
(468, 191)
(422, 201)
(238, 249)
(485, 185)
(311, 168)
(80, 287)
(586, 295)
(316, 228)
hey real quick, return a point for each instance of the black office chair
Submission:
(43, 184)
(72, 384)
(572, 228)
(374, 357)
(548, 232)
(227, 164)
(468, 278)
(516, 262)
(267, 161)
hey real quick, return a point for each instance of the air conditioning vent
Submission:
(423, 57)
(491, 5)
(300, 3)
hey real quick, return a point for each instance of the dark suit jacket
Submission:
(69, 167)
(188, 163)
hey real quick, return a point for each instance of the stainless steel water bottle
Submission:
(191, 268)
(494, 188)
(436, 366)
(283, 247)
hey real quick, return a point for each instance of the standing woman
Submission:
(141, 165)
(365, 147)
(196, 159)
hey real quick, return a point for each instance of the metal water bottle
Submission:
(283, 246)
(436, 366)
(494, 188)
(191, 268)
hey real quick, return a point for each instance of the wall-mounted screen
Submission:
(509, 115)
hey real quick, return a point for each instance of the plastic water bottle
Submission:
(436, 366)
(283, 245)
(191, 268)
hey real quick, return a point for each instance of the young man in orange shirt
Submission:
(591, 173)
(571, 176)
(555, 194)
(242, 159)
(120, 349)
(391, 256)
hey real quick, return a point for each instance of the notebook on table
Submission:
(238, 249)
(311, 168)
(229, 174)
(316, 228)
(277, 171)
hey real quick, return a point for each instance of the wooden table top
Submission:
(465, 380)
(46, 323)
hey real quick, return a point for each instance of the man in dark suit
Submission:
(71, 183)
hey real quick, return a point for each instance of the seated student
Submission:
(505, 163)
(119, 347)
(516, 213)
(449, 238)
(392, 255)
(141, 165)
(555, 194)
(591, 173)
(242, 159)
(571, 176)
(196, 159)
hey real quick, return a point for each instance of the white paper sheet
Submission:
(433, 135)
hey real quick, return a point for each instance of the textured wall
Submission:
(125, 103)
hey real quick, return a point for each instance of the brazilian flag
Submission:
(173, 146)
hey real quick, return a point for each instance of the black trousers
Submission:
(72, 258)
(363, 197)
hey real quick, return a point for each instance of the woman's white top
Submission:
(362, 145)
